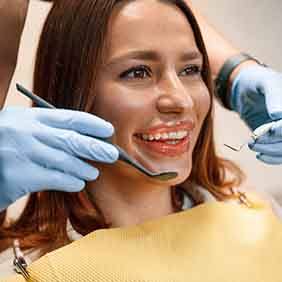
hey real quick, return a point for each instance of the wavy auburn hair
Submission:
(67, 62)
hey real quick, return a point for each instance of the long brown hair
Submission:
(68, 57)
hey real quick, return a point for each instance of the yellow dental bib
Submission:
(214, 242)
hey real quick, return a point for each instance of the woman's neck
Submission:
(129, 202)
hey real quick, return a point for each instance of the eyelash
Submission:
(135, 69)
(194, 68)
(125, 75)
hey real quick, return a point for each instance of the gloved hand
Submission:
(42, 149)
(269, 145)
(256, 94)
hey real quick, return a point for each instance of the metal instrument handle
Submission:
(19, 261)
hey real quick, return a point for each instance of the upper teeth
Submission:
(164, 136)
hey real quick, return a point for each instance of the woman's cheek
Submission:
(202, 103)
(123, 106)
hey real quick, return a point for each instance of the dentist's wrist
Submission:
(238, 69)
(228, 73)
(232, 77)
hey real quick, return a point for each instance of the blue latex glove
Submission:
(42, 149)
(256, 94)
(269, 145)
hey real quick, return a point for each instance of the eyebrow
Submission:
(149, 55)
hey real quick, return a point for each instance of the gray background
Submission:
(252, 25)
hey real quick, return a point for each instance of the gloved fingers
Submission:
(15, 109)
(256, 94)
(54, 159)
(275, 114)
(272, 90)
(276, 129)
(272, 160)
(274, 150)
(272, 136)
(78, 145)
(50, 179)
(81, 122)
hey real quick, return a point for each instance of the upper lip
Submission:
(165, 128)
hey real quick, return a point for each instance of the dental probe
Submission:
(255, 135)
(123, 156)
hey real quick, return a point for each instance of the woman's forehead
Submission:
(149, 25)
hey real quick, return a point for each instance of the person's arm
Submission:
(219, 49)
(252, 90)
(12, 20)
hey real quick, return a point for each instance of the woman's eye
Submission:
(191, 70)
(140, 72)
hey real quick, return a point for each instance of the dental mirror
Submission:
(123, 156)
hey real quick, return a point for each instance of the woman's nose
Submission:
(174, 97)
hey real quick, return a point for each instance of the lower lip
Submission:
(163, 148)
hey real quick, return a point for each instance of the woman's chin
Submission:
(181, 166)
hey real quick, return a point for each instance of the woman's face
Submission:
(150, 87)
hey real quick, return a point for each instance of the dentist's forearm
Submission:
(218, 48)
(12, 20)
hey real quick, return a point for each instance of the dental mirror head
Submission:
(165, 176)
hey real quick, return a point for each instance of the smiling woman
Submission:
(142, 65)
(151, 88)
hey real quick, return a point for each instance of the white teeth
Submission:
(164, 136)
(172, 135)
(151, 137)
(177, 135)
(158, 136)
(145, 136)
(183, 134)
